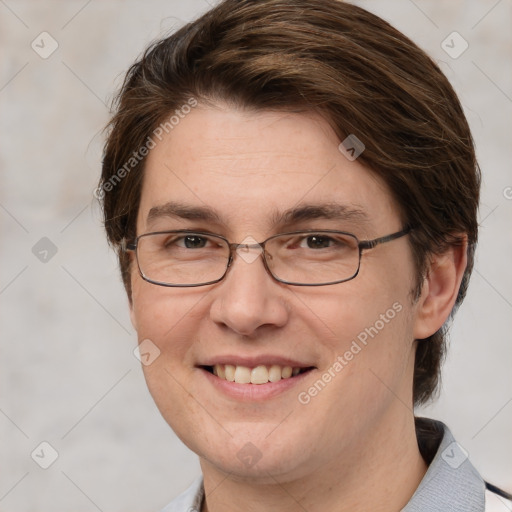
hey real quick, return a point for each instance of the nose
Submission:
(248, 299)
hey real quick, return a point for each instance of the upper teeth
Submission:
(259, 375)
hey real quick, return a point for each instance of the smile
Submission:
(261, 374)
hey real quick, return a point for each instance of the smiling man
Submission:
(296, 227)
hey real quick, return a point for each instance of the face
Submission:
(245, 174)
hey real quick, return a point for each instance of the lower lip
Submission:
(253, 392)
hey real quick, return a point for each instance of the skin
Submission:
(357, 434)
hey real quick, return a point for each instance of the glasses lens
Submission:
(313, 258)
(182, 258)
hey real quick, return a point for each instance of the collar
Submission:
(451, 482)
(190, 501)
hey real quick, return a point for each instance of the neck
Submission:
(380, 473)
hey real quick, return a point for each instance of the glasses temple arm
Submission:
(370, 244)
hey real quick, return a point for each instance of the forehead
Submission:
(254, 168)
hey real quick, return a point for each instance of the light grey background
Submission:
(67, 372)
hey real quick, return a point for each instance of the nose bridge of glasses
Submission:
(248, 249)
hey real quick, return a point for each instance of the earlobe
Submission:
(131, 304)
(130, 293)
(440, 288)
(132, 316)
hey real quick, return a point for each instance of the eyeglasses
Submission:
(186, 258)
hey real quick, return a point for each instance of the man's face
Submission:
(249, 169)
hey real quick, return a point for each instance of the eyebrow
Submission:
(330, 211)
(183, 211)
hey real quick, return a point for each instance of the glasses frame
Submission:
(362, 245)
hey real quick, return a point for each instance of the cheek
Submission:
(368, 371)
(361, 310)
(168, 317)
(367, 341)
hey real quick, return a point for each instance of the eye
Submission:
(192, 242)
(317, 242)
(185, 241)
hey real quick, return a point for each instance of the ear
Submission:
(129, 290)
(131, 300)
(133, 318)
(440, 288)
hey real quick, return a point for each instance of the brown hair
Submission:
(362, 75)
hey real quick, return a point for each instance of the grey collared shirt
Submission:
(451, 483)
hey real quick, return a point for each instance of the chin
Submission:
(254, 454)
(268, 469)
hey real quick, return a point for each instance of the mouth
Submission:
(258, 375)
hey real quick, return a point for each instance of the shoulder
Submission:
(451, 482)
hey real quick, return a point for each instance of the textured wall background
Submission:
(67, 371)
